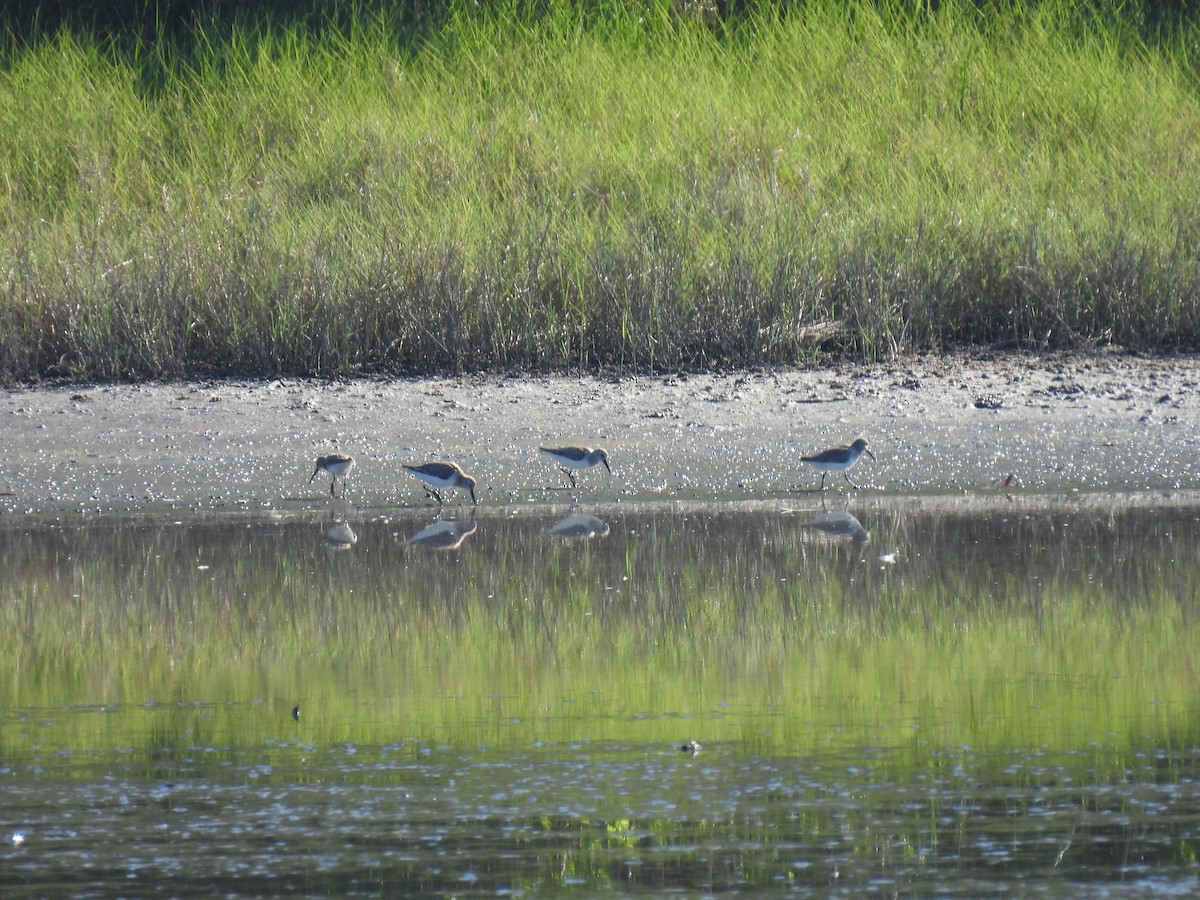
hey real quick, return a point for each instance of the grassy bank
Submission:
(647, 192)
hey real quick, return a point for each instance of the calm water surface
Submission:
(896, 697)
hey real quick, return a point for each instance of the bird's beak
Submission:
(605, 461)
(872, 455)
(314, 474)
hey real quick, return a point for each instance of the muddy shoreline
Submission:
(957, 425)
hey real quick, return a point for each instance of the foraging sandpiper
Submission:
(839, 459)
(569, 458)
(444, 475)
(339, 465)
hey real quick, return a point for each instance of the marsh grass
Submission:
(729, 629)
(647, 192)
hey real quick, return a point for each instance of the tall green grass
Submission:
(551, 191)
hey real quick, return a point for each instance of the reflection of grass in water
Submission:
(725, 630)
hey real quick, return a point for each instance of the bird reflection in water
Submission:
(579, 527)
(840, 524)
(443, 534)
(339, 536)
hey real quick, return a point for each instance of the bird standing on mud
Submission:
(443, 476)
(339, 465)
(569, 458)
(839, 459)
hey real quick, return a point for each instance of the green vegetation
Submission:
(994, 633)
(639, 188)
(1023, 673)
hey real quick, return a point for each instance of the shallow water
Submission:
(989, 697)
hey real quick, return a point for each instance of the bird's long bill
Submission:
(605, 461)
(314, 474)
(870, 454)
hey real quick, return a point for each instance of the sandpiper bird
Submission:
(338, 465)
(443, 475)
(839, 459)
(569, 458)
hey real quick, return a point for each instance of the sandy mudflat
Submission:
(1105, 422)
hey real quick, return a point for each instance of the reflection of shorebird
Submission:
(692, 747)
(840, 524)
(569, 458)
(443, 535)
(579, 527)
(443, 476)
(339, 465)
(340, 537)
(838, 459)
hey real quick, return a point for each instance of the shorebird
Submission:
(839, 459)
(569, 458)
(339, 465)
(444, 475)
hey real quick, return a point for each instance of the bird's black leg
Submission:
(570, 475)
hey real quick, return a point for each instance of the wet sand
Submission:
(938, 426)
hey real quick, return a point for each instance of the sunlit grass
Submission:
(645, 192)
